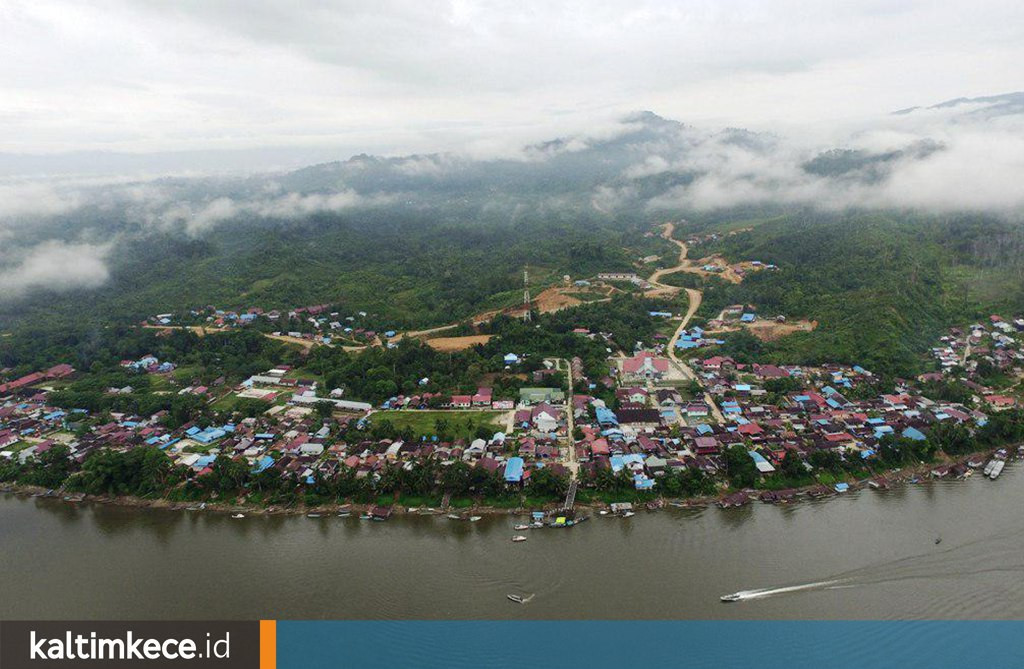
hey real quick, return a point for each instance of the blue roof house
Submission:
(514, 470)
(914, 433)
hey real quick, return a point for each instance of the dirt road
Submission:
(695, 297)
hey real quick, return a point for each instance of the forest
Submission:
(881, 286)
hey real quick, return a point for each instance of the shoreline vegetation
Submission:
(465, 506)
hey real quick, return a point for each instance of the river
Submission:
(872, 553)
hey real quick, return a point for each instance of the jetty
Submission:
(570, 496)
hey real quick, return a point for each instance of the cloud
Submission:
(934, 162)
(398, 77)
(24, 198)
(57, 266)
(198, 218)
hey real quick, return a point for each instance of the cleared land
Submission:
(457, 343)
(767, 330)
(460, 424)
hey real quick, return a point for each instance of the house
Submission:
(312, 448)
(544, 418)
(1000, 401)
(697, 410)
(606, 417)
(482, 397)
(668, 397)
(639, 417)
(644, 365)
(461, 401)
(717, 363)
(763, 466)
(514, 470)
(632, 395)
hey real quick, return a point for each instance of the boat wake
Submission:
(761, 593)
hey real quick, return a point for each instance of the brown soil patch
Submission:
(770, 331)
(457, 343)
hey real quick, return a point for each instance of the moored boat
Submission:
(520, 528)
(517, 538)
(997, 470)
(238, 515)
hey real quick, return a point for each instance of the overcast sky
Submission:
(287, 83)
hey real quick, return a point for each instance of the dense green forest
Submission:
(881, 286)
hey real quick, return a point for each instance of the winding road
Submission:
(694, 300)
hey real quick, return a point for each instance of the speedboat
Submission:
(312, 515)
(517, 538)
(735, 597)
(473, 519)
(628, 514)
(519, 599)
(238, 515)
(454, 516)
(520, 528)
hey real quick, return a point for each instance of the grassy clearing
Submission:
(461, 424)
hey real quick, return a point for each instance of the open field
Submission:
(770, 331)
(447, 344)
(461, 424)
(767, 330)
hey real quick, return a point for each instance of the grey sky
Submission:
(313, 80)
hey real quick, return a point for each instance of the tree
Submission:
(324, 409)
(740, 467)
(546, 483)
(792, 467)
(953, 438)
(49, 469)
(226, 475)
(455, 478)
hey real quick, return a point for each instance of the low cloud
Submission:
(57, 266)
(197, 219)
(932, 163)
(26, 198)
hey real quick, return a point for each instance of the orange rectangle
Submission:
(268, 644)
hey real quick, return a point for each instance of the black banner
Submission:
(196, 645)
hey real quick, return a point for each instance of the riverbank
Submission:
(675, 564)
(729, 498)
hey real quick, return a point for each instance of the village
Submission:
(669, 418)
(673, 421)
